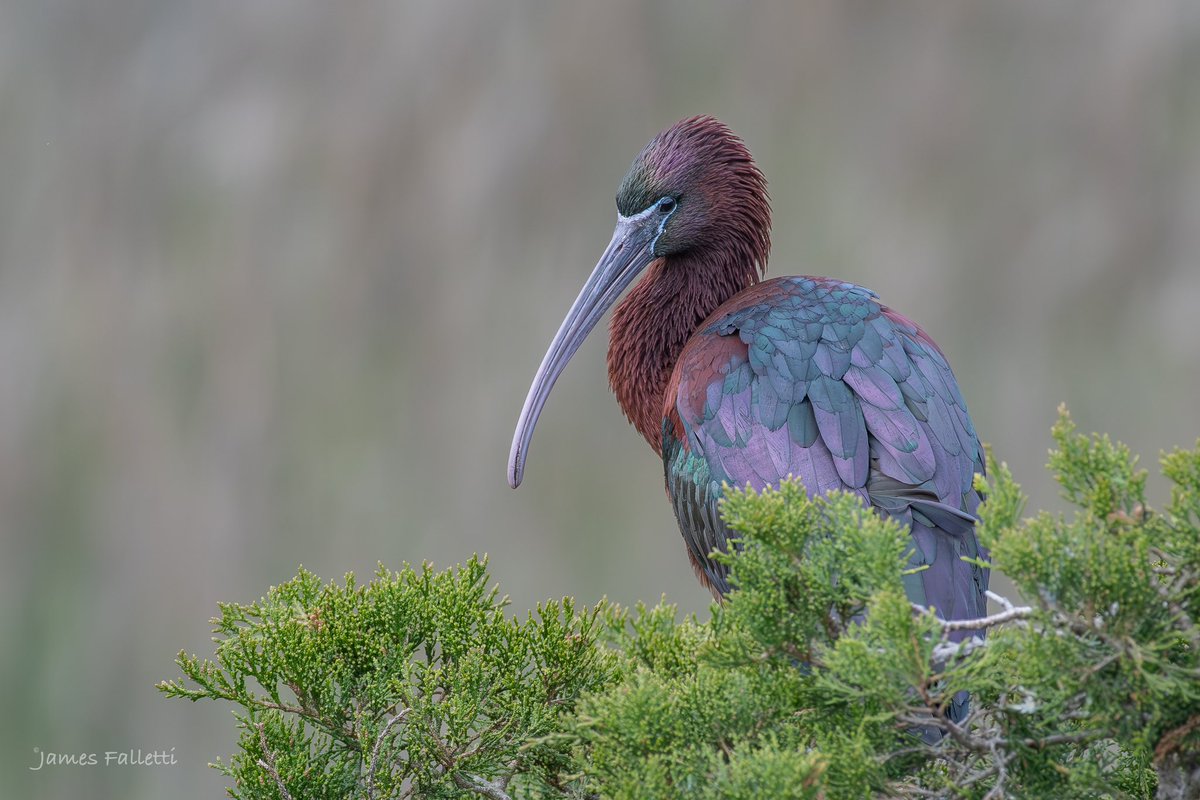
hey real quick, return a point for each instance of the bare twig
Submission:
(999, 598)
(508, 776)
(1019, 612)
(947, 650)
(1000, 759)
(375, 752)
(1110, 658)
(492, 790)
(910, 790)
(975, 777)
(1061, 738)
(269, 763)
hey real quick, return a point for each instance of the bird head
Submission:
(700, 182)
(693, 189)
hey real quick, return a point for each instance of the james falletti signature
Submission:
(108, 758)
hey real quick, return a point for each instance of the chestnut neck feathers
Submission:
(716, 246)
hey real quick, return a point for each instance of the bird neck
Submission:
(654, 321)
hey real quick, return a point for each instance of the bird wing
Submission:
(814, 378)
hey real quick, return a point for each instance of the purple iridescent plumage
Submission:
(814, 378)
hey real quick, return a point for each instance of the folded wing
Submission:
(814, 378)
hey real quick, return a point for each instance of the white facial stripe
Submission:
(663, 225)
(638, 216)
(645, 213)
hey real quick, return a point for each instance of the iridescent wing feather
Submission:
(815, 378)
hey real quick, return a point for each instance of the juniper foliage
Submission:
(814, 680)
(417, 684)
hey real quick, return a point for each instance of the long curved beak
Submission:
(629, 252)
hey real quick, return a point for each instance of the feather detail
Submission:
(815, 378)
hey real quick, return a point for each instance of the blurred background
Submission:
(274, 278)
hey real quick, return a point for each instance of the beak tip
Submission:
(515, 473)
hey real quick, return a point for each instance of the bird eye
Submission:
(666, 205)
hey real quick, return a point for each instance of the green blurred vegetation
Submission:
(274, 278)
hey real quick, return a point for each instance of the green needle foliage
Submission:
(416, 684)
(817, 678)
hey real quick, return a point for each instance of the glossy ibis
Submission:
(735, 379)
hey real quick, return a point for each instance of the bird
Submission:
(737, 380)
